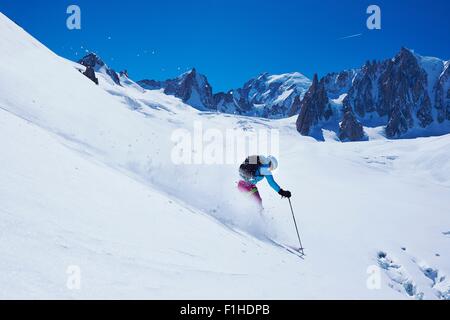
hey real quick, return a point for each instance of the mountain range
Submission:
(408, 95)
(267, 96)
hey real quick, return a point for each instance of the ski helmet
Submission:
(273, 162)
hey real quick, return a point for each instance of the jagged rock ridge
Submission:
(95, 62)
(405, 93)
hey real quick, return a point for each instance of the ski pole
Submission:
(296, 228)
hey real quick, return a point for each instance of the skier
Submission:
(253, 170)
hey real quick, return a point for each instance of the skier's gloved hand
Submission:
(285, 194)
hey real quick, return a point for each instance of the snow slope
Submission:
(86, 179)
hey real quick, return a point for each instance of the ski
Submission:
(298, 252)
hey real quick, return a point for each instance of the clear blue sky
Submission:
(232, 41)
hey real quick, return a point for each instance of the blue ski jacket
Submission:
(264, 172)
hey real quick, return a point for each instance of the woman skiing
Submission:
(253, 170)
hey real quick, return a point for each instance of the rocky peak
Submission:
(191, 87)
(397, 89)
(95, 62)
(92, 60)
(190, 76)
(314, 108)
(350, 128)
(403, 89)
(405, 56)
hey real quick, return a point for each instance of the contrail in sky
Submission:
(352, 36)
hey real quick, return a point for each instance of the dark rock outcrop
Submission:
(314, 108)
(350, 128)
(151, 84)
(191, 87)
(94, 61)
(339, 83)
(360, 95)
(295, 107)
(442, 95)
(90, 73)
(223, 100)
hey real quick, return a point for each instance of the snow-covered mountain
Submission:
(408, 95)
(88, 183)
(266, 96)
